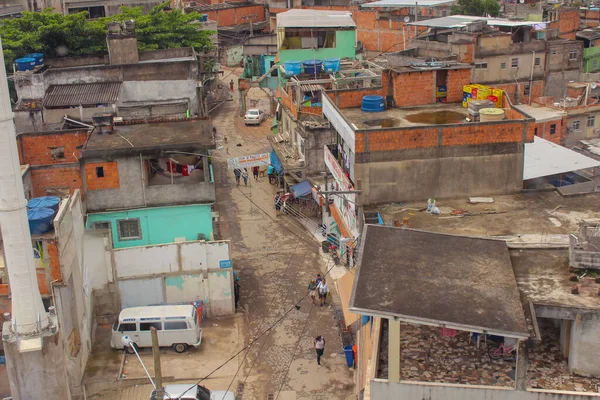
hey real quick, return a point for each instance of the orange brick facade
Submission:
(567, 23)
(235, 16)
(510, 89)
(109, 180)
(545, 129)
(54, 160)
(405, 139)
(457, 79)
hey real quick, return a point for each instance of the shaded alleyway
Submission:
(276, 258)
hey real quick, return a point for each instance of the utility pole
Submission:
(157, 371)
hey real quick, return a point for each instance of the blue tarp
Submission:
(276, 163)
(301, 189)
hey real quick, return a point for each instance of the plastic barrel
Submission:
(40, 220)
(39, 57)
(372, 104)
(44, 202)
(25, 64)
(332, 64)
(325, 246)
(349, 355)
(313, 66)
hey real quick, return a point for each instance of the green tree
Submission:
(480, 8)
(57, 35)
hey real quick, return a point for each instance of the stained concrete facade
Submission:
(133, 190)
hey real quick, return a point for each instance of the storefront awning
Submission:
(301, 189)
(344, 288)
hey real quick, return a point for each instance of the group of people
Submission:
(319, 287)
(243, 174)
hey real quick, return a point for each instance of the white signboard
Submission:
(254, 160)
(345, 203)
(336, 119)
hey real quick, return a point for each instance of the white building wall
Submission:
(585, 348)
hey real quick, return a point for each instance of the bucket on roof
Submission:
(332, 65)
(44, 202)
(25, 64)
(40, 220)
(312, 66)
(39, 57)
(292, 68)
(373, 103)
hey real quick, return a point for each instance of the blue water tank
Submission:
(372, 104)
(312, 66)
(292, 68)
(204, 18)
(40, 220)
(332, 65)
(25, 64)
(44, 202)
(39, 57)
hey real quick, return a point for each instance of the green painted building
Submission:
(591, 49)
(155, 225)
(315, 35)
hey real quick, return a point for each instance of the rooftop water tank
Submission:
(372, 104)
(44, 202)
(292, 68)
(39, 58)
(40, 220)
(25, 64)
(491, 114)
(332, 65)
(312, 66)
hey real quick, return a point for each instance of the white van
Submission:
(177, 325)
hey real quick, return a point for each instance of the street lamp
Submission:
(127, 342)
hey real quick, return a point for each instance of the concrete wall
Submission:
(315, 139)
(176, 272)
(443, 172)
(381, 390)
(133, 192)
(73, 295)
(159, 91)
(495, 73)
(585, 347)
(160, 225)
(27, 185)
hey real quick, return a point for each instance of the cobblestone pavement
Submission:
(276, 258)
(548, 368)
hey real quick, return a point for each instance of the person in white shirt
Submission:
(320, 348)
(323, 289)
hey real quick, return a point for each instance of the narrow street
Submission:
(276, 258)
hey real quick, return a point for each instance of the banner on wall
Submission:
(253, 160)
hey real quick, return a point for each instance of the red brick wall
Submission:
(414, 88)
(459, 135)
(110, 179)
(405, 139)
(537, 90)
(457, 78)
(45, 180)
(233, 16)
(52, 250)
(36, 149)
(568, 22)
(542, 130)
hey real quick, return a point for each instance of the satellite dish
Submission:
(406, 19)
(593, 85)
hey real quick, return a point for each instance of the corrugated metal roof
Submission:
(82, 94)
(406, 3)
(544, 158)
(298, 18)
(460, 21)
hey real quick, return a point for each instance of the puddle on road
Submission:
(382, 123)
(436, 117)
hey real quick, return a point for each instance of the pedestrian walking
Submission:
(231, 85)
(312, 290)
(320, 348)
(255, 172)
(271, 173)
(237, 174)
(323, 289)
(278, 201)
(214, 131)
(319, 279)
(245, 176)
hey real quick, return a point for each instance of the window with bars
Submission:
(514, 63)
(576, 125)
(591, 121)
(572, 55)
(129, 229)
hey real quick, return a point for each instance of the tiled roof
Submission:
(82, 94)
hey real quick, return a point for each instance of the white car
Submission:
(254, 116)
(191, 391)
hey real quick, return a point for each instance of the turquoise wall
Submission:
(160, 225)
(344, 48)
